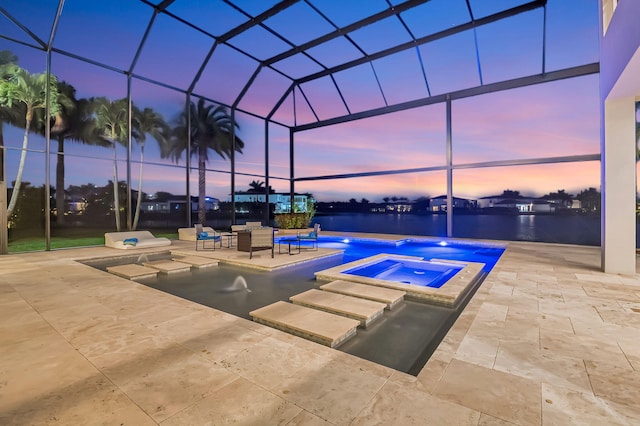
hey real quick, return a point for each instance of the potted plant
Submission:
(298, 221)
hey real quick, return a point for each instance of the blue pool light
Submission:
(442, 243)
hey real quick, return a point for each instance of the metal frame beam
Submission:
(37, 39)
(394, 10)
(578, 71)
(426, 39)
(501, 163)
(258, 20)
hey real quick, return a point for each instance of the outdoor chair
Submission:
(206, 236)
(256, 239)
(311, 236)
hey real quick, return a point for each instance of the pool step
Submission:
(365, 311)
(378, 294)
(196, 261)
(318, 326)
(168, 266)
(133, 271)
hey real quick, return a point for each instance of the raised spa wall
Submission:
(447, 295)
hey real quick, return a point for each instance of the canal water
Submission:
(583, 230)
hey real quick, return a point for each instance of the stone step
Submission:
(197, 261)
(133, 271)
(379, 294)
(365, 311)
(168, 266)
(318, 326)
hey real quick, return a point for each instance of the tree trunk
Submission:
(60, 182)
(139, 200)
(4, 231)
(2, 172)
(202, 215)
(23, 158)
(116, 195)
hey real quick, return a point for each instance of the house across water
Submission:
(281, 201)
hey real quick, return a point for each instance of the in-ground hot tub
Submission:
(436, 281)
(408, 271)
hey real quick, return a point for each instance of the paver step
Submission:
(168, 266)
(379, 294)
(318, 326)
(365, 311)
(133, 271)
(197, 261)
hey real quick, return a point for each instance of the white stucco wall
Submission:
(619, 88)
(619, 49)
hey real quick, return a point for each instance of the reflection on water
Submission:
(526, 228)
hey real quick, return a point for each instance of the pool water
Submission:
(405, 271)
(359, 248)
(403, 340)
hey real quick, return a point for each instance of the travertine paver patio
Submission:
(546, 340)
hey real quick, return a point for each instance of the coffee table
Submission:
(229, 236)
(288, 242)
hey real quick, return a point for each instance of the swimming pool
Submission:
(404, 339)
(407, 271)
(360, 248)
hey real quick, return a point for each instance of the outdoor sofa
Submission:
(246, 226)
(130, 240)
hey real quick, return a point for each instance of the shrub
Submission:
(293, 220)
(297, 219)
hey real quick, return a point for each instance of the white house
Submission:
(439, 203)
(527, 205)
(400, 207)
(520, 203)
(178, 203)
(281, 201)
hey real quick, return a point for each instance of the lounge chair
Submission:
(128, 240)
(311, 236)
(189, 234)
(205, 236)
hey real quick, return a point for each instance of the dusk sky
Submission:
(551, 120)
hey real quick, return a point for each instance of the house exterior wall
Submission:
(619, 89)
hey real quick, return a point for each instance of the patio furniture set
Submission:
(248, 238)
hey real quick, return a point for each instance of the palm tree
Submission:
(590, 199)
(21, 87)
(564, 197)
(256, 186)
(112, 120)
(211, 129)
(74, 122)
(147, 122)
(9, 115)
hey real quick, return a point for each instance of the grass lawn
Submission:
(71, 237)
